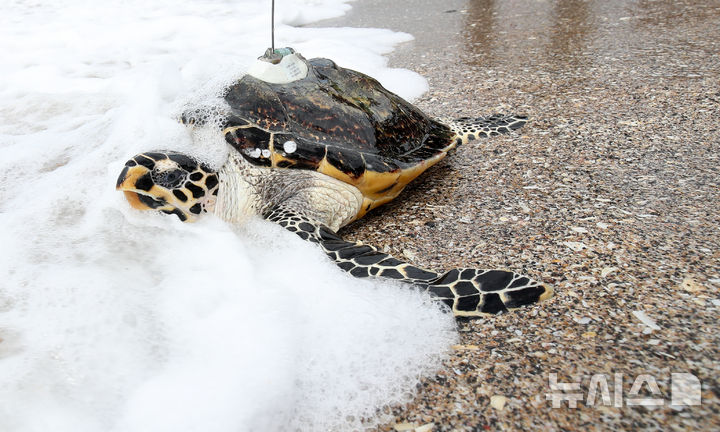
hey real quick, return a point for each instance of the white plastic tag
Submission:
(290, 68)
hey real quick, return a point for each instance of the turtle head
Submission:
(170, 182)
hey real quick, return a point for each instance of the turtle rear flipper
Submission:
(469, 128)
(468, 292)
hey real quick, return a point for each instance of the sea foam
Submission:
(118, 320)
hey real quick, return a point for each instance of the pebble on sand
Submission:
(498, 402)
(645, 319)
(691, 285)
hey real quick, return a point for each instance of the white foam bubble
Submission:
(113, 319)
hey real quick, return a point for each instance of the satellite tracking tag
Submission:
(280, 66)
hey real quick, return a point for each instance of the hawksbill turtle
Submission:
(316, 151)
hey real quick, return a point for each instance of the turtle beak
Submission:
(129, 176)
(128, 182)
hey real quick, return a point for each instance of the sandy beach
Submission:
(611, 194)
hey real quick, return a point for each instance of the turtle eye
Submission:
(170, 179)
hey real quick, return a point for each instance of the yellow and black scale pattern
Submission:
(468, 292)
(188, 180)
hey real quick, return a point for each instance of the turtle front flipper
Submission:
(474, 292)
(471, 128)
(468, 292)
(217, 115)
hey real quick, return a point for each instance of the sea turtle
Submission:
(316, 152)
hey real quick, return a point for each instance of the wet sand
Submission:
(611, 194)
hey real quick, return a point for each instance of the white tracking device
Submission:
(280, 66)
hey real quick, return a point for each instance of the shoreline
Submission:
(610, 194)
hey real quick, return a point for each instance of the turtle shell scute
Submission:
(348, 161)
